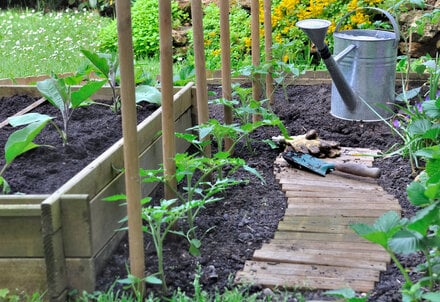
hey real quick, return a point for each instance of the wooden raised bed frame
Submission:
(61, 241)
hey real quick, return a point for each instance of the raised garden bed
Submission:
(60, 240)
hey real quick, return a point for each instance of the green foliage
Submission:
(22, 140)
(239, 24)
(36, 42)
(416, 234)
(58, 91)
(145, 29)
(347, 294)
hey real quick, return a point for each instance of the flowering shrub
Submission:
(287, 12)
(240, 32)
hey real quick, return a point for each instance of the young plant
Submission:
(107, 67)
(22, 140)
(59, 92)
(419, 233)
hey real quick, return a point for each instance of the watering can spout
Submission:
(316, 29)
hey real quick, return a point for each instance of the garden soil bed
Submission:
(247, 216)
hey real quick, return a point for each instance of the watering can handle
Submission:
(389, 16)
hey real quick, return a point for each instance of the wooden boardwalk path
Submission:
(314, 247)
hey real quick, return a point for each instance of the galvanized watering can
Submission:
(364, 69)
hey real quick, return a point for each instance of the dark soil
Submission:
(248, 215)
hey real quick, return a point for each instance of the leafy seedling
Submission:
(21, 141)
(58, 91)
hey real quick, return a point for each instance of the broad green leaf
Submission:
(99, 61)
(21, 140)
(433, 133)
(55, 91)
(194, 247)
(85, 92)
(148, 94)
(431, 108)
(405, 242)
(254, 172)
(342, 293)
(383, 229)
(419, 127)
(433, 190)
(6, 189)
(409, 94)
(416, 194)
(28, 118)
(153, 280)
(433, 297)
(433, 170)
(424, 218)
(429, 152)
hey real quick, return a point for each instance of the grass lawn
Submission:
(33, 43)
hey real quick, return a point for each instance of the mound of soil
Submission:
(232, 229)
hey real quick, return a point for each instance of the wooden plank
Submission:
(384, 200)
(337, 194)
(35, 199)
(314, 185)
(292, 226)
(337, 258)
(19, 210)
(302, 270)
(332, 212)
(305, 243)
(344, 204)
(325, 220)
(293, 282)
(314, 254)
(23, 274)
(21, 236)
(53, 247)
(325, 237)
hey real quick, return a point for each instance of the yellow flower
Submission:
(247, 42)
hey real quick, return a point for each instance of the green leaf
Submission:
(99, 61)
(55, 91)
(424, 218)
(419, 127)
(6, 189)
(153, 280)
(409, 94)
(433, 297)
(28, 118)
(342, 293)
(85, 92)
(416, 194)
(405, 242)
(148, 94)
(431, 108)
(21, 140)
(116, 197)
(433, 170)
(383, 229)
(194, 247)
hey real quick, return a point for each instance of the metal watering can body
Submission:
(363, 69)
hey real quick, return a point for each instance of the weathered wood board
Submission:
(314, 246)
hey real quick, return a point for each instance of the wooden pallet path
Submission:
(314, 246)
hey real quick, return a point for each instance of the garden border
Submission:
(60, 241)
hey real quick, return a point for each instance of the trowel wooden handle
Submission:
(358, 169)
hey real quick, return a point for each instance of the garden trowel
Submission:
(322, 167)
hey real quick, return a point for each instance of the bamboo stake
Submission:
(255, 44)
(166, 82)
(225, 42)
(268, 48)
(129, 124)
(200, 64)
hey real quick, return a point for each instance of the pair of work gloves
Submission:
(310, 143)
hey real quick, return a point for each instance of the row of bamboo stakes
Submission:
(128, 110)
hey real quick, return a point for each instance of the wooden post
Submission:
(129, 124)
(268, 48)
(225, 42)
(166, 83)
(255, 36)
(200, 64)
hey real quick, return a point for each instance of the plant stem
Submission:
(399, 266)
